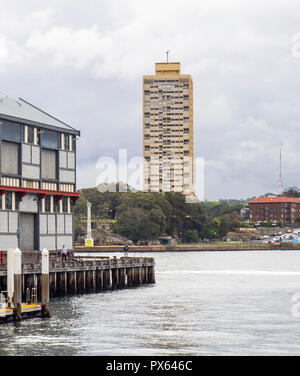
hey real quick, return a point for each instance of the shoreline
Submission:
(183, 248)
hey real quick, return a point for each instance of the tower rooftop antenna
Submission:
(168, 55)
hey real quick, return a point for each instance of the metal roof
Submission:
(19, 109)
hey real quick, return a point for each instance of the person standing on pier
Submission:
(64, 253)
(126, 250)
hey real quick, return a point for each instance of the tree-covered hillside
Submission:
(146, 216)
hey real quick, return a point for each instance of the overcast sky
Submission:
(83, 62)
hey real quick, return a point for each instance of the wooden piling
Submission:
(45, 284)
(17, 311)
(151, 274)
(122, 278)
(99, 280)
(136, 276)
(94, 280)
(89, 281)
(52, 283)
(129, 277)
(80, 282)
(70, 283)
(62, 283)
(106, 279)
(114, 279)
(142, 274)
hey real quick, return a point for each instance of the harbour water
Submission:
(203, 303)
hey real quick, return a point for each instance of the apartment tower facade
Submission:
(168, 130)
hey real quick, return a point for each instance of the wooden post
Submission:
(75, 282)
(128, 273)
(89, 281)
(23, 285)
(17, 311)
(66, 282)
(51, 285)
(151, 274)
(60, 278)
(82, 284)
(80, 289)
(63, 288)
(143, 274)
(136, 276)
(10, 276)
(94, 280)
(107, 279)
(84, 281)
(45, 283)
(114, 279)
(118, 277)
(99, 280)
(71, 282)
(55, 284)
(131, 277)
(121, 278)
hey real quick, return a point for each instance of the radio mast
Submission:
(280, 182)
(168, 55)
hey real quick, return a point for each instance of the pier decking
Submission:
(76, 276)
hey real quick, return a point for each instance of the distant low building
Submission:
(281, 209)
(37, 178)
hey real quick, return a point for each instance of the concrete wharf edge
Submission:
(185, 248)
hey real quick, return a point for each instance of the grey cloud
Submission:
(83, 62)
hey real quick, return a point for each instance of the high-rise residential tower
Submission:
(168, 130)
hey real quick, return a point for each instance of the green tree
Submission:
(80, 208)
(140, 217)
(191, 236)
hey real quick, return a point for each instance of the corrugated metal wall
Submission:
(60, 218)
(8, 241)
(30, 154)
(60, 225)
(67, 176)
(71, 160)
(43, 224)
(69, 224)
(48, 164)
(31, 171)
(3, 222)
(12, 222)
(51, 224)
(9, 158)
(47, 242)
(35, 154)
(63, 159)
(26, 153)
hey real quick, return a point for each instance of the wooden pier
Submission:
(75, 276)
